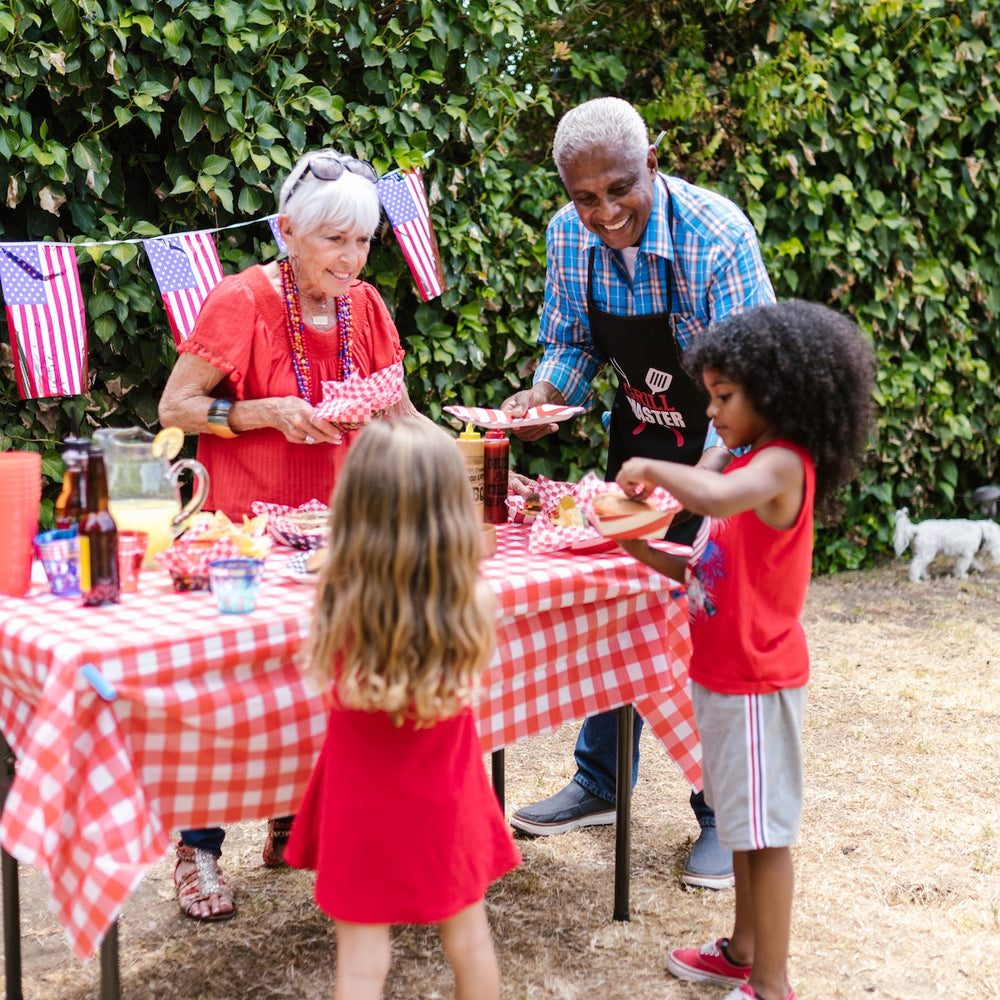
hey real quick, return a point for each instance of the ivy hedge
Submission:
(857, 136)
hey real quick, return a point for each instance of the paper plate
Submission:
(591, 545)
(482, 416)
(642, 524)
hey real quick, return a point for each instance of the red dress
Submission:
(400, 823)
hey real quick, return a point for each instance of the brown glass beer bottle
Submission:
(72, 501)
(98, 538)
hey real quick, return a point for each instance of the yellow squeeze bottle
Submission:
(470, 444)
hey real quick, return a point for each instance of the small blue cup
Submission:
(235, 583)
(59, 553)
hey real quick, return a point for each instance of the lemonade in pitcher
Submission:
(154, 516)
(143, 490)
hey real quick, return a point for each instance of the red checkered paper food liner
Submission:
(189, 557)
(213, 537)
(516, 512)
(544, 536)
(287, 531)
(352, 403)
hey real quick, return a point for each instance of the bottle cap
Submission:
(469, 434)
(495, 434)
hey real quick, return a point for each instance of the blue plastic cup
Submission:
(236, 584)
(59, 553)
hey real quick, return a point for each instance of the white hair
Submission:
(349, 203)
(603, 121)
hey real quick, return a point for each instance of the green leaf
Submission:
(214, 165)
(200, 89)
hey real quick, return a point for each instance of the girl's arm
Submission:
(771, 485)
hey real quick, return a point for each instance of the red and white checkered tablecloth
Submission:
(212, 722)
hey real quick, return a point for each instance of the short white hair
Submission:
(349, 203)
(605, 121)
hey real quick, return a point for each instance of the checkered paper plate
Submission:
(481, 416)
(356, 401)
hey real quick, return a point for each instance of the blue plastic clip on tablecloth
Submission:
(98, 682)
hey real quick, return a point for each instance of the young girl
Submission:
(792, 384)
(399, 820)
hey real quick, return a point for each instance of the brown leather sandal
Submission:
(203, 881)
(277, 836)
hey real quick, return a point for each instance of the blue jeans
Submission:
(210, 839)
(597, 753)
(597, 745)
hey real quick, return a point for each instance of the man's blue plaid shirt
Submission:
(717, 269)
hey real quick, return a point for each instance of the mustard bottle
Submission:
(470, 444)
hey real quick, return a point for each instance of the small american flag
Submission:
(45, 317)
(402, 195)
(272, 221)
(187, 268)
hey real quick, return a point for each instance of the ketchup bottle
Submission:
(496, 469)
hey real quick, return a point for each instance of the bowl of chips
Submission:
(209, 537)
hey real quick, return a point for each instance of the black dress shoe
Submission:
(569, 809)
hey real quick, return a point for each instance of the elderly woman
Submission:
(248, 381)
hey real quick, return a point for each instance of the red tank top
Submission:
(746, 591)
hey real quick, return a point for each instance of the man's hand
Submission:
(518, 404)
(521, 484)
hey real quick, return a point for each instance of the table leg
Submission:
(11, 891)
(499, 778)
(623, 810)
(110, 981)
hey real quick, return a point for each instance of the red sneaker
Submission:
(707, 964)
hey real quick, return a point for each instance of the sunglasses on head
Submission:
(331, 167)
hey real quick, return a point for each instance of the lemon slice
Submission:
(168, 443)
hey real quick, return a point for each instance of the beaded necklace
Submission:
(296, 340)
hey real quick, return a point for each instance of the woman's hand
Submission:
(296, 420)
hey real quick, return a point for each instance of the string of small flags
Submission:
(46, 319)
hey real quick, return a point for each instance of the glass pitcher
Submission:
(143, 490)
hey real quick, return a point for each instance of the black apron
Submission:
(658, 412)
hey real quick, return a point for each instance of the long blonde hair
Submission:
(402, 622)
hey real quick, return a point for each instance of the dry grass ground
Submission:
(898, 862)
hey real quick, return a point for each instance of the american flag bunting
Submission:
(45, 317)
(402, 196)
(272, 221)
(186, 268)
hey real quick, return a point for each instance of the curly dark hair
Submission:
(809, 372)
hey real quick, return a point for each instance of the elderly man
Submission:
(638, 263)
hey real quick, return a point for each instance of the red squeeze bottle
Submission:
(496, 466)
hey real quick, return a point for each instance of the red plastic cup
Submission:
(20, 495)
(131, 552)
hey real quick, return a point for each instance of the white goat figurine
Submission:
(960, 538)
